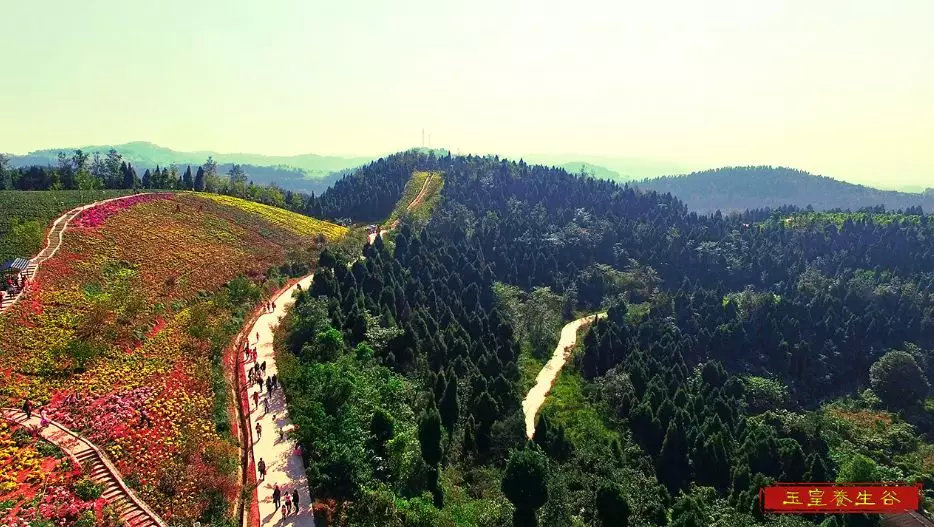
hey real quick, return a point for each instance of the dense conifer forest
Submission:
(772, 345)
(731, 189)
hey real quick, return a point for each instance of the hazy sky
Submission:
(840, 87)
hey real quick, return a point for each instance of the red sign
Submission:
(820, 498)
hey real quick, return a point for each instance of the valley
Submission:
(510, 331)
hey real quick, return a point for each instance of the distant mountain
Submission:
(597, 171)
(609, 167)
(305, 172)
(739, 188)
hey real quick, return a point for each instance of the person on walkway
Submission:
(288, 504)
(275, 380)
(268, 385)
(44, 419)
(276, 496)
(266, 405)
(273, 308)
(262, 367)
(27, 408)
(295, 499)
(256, 400)
(261, 466)
(259, 431)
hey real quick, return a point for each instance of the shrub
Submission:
(898, 380)
(86, 519)
(88, 490)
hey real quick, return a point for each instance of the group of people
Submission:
(28, 408)
(249, 352)
(289, 502)
(284, 501)
(13, 285)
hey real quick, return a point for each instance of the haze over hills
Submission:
(726, 189)
(739, 188)
(616, 168)
(303, 172)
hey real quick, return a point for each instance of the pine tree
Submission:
(188, 183)
(612, 506)
(448, 405)
(672, 464)
(126, 175)
(199, 180)
(525, 484)
(429, 438)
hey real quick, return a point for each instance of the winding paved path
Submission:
(133, 511)
(282, 466)
(53, 241)
(546, 378)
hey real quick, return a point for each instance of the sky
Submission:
(843, 88)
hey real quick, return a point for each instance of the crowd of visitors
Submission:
(264, 397)
(12, 285)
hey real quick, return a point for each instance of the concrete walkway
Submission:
(283, 467)
(132, 510)
(53, 241)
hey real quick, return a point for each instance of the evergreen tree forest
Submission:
(737, 351)
(80, 171)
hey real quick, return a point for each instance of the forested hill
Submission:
(307, 173)
(740, 188)
(738, 350)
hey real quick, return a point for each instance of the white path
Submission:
(53, 241)
(546, 378)
(282, 466)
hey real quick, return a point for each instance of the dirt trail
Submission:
(421, 194)
(414, 203)
(546, 378)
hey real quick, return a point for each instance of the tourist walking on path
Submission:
(27, 409)
(261, 466)
(44, 419)
(256, 401)
(275, 493)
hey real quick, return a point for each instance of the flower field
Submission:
(28, 214)
(129, 318)
(298, 224)
(38, 482)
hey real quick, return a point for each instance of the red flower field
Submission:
(126, 319)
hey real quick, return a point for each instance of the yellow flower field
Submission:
(298, 224)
